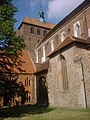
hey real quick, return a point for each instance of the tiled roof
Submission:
(64, 21)
(27, 65)
(37, 22)
(41, 66)
(68, 41)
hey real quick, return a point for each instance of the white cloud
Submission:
(34, 3)
(60, 8)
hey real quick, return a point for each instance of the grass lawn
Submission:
(32, 112)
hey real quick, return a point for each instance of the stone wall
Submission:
(86, 74)
(78, 79)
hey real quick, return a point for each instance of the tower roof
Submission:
(37, 22)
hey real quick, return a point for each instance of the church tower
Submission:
(41, 16)
(33, 30)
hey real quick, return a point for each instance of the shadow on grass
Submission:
(23, 111)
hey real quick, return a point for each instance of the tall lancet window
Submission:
(77, 29)
(64, 72)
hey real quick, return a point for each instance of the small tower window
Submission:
(32, 30)
(38, 31)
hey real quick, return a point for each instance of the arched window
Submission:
(42, 96)
(52, 45)
(44, 54)
(32, 30)
(38, 31)
(63, 36)
(64, 72)
(44, 32)
(77, 29)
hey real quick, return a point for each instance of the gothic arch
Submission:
(64, 72)
(42, 95)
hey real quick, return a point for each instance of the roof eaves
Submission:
(76, 11)
(68, 41)
(41, 66)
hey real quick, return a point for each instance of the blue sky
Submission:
(55, 10)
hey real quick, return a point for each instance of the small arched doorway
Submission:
(42, 95)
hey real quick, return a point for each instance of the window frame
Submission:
(63, 36)
(43, 59)
(77, 29)
(32, 30)
(64, 72)
(52, 45)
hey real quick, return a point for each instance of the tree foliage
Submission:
(10, 47)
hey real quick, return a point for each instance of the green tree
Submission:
(10, 47)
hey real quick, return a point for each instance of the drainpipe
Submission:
(84, 83)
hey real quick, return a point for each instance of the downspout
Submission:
(84, 83)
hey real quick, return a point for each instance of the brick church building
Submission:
(66, 48)
(57, 59)
(65, 57)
